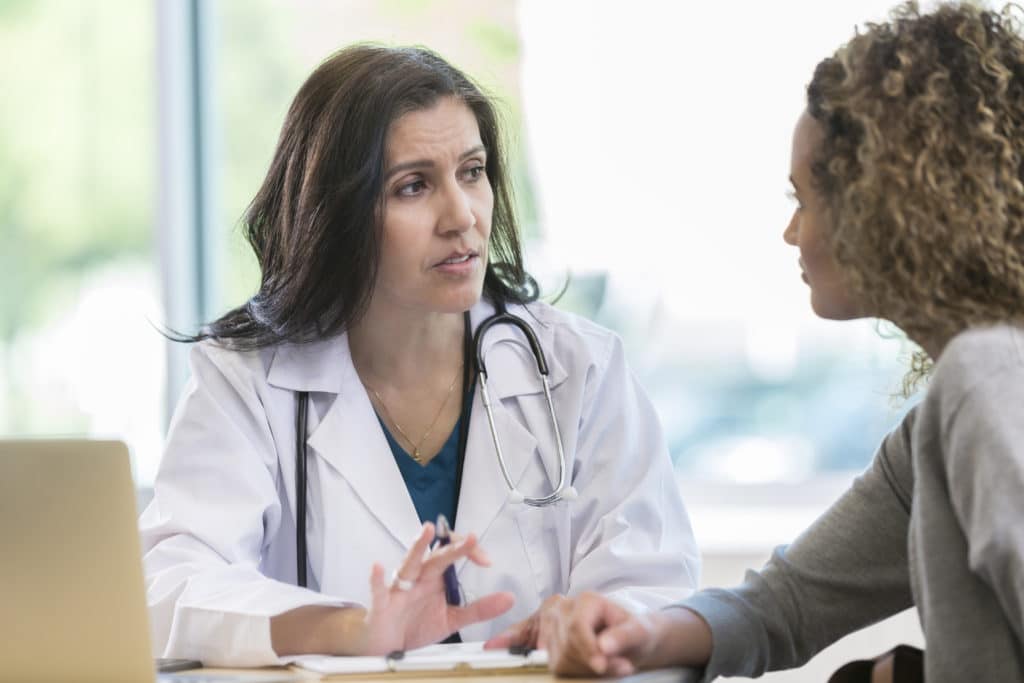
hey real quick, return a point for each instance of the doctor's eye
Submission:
(411, 189)
(474, 173)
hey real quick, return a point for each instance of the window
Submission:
(79, 296)
(659, 137)
(660, 148)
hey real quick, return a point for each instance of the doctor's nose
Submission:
(457, 211)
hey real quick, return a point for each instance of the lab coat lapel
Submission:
(484, 493)
(350, 439)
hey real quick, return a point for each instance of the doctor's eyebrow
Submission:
(428, 163)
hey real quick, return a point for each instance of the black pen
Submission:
(443, 536)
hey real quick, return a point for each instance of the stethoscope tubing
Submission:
(542, 372)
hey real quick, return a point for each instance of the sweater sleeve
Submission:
(983, 452)
(846, 571)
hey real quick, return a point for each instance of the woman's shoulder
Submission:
(978, 380)
(976, 356)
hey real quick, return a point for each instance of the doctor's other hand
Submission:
(407, 610)
(594, 635)
(567, 628)
(527, 633)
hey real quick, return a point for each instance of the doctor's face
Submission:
(807, 228)
(436, 211)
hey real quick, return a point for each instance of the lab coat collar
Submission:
(326, 365)
(323, 365)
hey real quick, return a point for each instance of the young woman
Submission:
(386, 240)
(907, 170)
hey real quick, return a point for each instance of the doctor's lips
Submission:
(458, 262)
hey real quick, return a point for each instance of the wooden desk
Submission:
(659, 676)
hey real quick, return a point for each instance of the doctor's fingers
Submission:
(478, 555)
(564, 657)
(412, 565)
(443, 556)
(553, 636)
(379, 589)
(581, 620)
(523, 634)
(483, 609)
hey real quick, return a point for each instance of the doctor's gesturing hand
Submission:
(407, 609)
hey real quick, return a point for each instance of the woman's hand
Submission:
(629, 642)
(405, 618)
(406, 613)
(594, 635)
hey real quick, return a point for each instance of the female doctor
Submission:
(385, 237)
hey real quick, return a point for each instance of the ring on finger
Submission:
(398, 583)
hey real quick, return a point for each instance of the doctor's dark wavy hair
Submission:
(921, 168)
(314, 221)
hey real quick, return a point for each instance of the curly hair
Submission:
(921, 168)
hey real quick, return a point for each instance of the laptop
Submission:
(72, 598)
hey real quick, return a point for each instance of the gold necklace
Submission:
(416, 455)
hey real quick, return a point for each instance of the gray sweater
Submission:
(936, 521)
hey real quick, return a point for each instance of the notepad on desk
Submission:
(468, 657)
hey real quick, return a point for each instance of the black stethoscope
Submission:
(471, 345)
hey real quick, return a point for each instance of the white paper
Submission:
(441, 657)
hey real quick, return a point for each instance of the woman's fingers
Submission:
(620, 667)
(623, 637)
(484, 609)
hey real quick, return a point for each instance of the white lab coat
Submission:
(219, 535)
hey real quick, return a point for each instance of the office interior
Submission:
(650, 145)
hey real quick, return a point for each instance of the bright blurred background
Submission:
(651, 145)
(651, 154)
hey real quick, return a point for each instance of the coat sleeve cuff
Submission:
(235, 639)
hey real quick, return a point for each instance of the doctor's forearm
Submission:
(317, 629)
